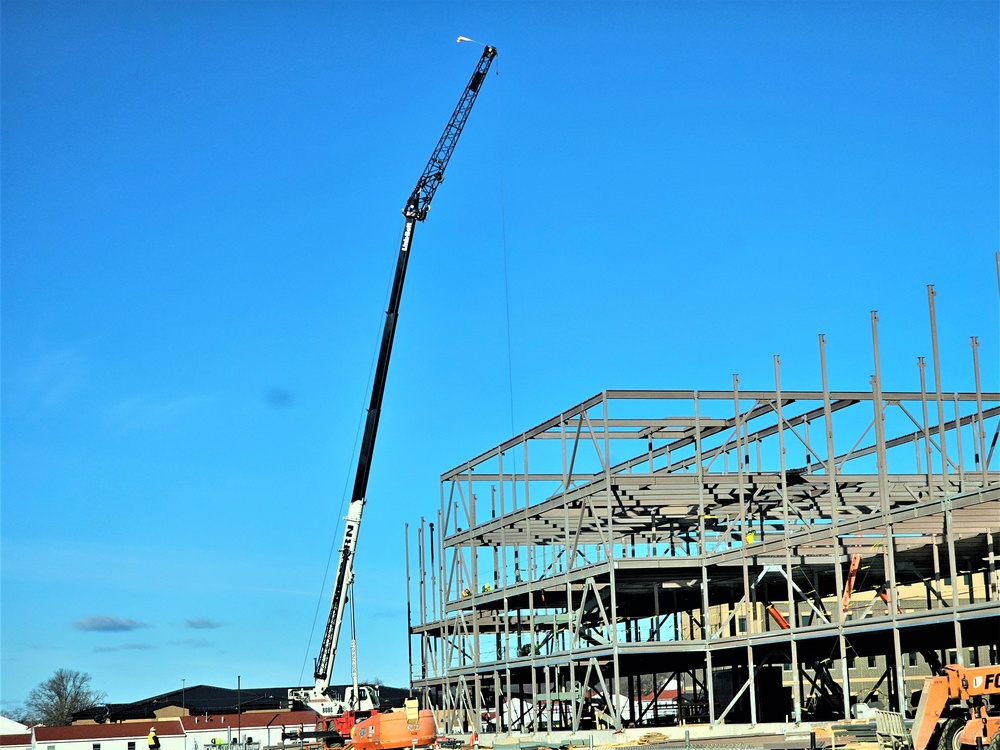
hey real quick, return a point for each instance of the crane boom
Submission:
(416, 208)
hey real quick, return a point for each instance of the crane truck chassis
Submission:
(354, 717)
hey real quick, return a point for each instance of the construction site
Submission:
(753, 564)
(714, 559)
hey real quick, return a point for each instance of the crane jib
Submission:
(420, 199)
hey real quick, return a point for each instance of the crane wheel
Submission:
(950, 734)
(995, 742)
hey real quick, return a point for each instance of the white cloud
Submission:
(48, 381)
(146, 412)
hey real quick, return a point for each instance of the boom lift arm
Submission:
(416, 208)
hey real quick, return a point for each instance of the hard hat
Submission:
(152, 729)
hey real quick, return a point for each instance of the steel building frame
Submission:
(738, 547)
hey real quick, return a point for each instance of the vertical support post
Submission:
(879, 417)
(475, 587)
(835, 546)
(616, 667)
(980, 438)
(409, 615)
(655, 633)
(949, 538)
(503, 556)
(958, 443)
(422, 567)
(427, 645)
(471, 515)
(793, 620)
(506, 603)
(437, 595)
(926, 427)
(569, 550)
(437, 547)
(477, 720)
(703, 558)
(744, 516)
(548, 699)
(506, 708)
(497, 704)
(532, 635)
(938, 394)
(885, 507)
(936, 556)
(992, 584)
(743, 546)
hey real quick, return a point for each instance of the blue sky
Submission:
(200, 217)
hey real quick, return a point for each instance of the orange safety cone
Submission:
(474, 740)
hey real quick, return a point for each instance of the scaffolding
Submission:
(649, 558)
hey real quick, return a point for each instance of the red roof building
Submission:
(252, 730)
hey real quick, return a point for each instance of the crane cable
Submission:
(503, 233)
(343, 495)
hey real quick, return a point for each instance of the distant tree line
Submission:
(53, 702)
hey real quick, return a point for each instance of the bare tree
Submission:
(15, 712)
(54, 701)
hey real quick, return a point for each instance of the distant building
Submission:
(207, 700)
(127, 736)
(248, 731)
(14, 735)
(199, 699)
(202, 717)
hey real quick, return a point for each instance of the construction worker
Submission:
(152, 740)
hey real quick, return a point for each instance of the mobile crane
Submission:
(339, 714)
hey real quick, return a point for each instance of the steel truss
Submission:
(736, 548)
